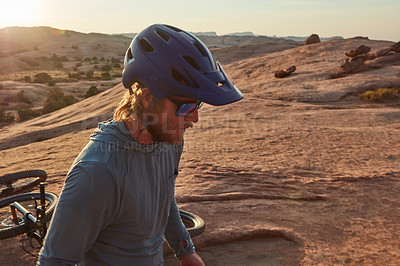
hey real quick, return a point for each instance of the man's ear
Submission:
(147, 97)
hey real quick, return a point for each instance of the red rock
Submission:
(395, 47)
(314, 38)
(349, 66)
(284, 73)
(362, 49)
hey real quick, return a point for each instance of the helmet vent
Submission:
(173, 28)
(129, 54)
(219, 84)
(192, 62)
(146, 46)
(163, 35)
(200, 48)
(178, 77)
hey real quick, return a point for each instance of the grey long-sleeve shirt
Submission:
(117, 205)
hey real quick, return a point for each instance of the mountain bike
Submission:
(17, 216)
(29, 213)
(18, 182)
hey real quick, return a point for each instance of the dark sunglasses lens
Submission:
(186, 109)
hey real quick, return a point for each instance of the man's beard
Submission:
(160, 131)
(173, 138)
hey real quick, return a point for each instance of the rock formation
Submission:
(361, 59)
(362, 49)
(284, 73)
(314, 38)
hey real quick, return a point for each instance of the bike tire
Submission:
(12, 183)
(15, 230)
(194, 224)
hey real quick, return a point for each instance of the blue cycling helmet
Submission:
(173, 62)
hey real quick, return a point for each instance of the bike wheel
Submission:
(193, 223)
(20, 181)
(7, 227)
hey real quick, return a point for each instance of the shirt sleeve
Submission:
(85, 207)
(177, 236)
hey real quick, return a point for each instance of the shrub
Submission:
(380, 94)
(106, 75)
(106, 68)
(28, 113)
(20, 97)
(41, 78)
(89, 74)
(57, 100)
(74, 75)
(27, 79)
(6, 117)
(51, 82)
(91, 91)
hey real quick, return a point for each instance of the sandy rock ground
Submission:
(300, 172)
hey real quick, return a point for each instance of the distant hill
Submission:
(302, 39)
(22, 46)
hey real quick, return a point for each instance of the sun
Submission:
(17, 12)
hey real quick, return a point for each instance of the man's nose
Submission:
(193, 117)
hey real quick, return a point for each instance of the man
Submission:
(118, 206)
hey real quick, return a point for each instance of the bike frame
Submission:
(36, 223)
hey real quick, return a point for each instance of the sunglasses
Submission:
(185, 108)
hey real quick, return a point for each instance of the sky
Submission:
(376, 19)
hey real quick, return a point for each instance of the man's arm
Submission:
(176, 234)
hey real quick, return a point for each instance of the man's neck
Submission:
(139, 132)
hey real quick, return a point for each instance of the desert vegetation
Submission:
(381, 94)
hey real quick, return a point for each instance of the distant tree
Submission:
(106, 75)
(28, 113)
(117, 65)
(27, 79)
(51, 82)
(20, 97)
(106, 68)
(57, 100)
(92, 91)
(6, 117)
(89, 74)
(41, 78)
(74, 75)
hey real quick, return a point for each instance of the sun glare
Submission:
(17, 12)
